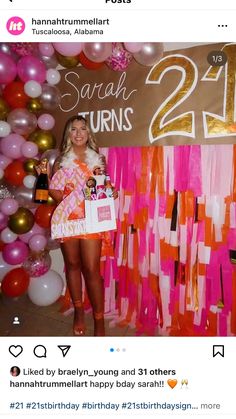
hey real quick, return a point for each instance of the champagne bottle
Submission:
(41, 187)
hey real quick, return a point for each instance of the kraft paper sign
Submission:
(182, 99)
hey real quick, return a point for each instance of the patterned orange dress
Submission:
(72, 181)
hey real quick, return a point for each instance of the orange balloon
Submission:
(90, 65)
(14, 173)
(15, 282)
(43, 215)
(15, 95)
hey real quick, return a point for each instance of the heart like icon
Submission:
(15, 350)
(172, 383)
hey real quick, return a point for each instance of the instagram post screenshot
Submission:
(117, 209)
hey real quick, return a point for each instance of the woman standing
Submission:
(80, 156)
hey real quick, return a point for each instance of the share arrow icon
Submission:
(64, 349)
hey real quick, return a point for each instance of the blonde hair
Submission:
(93, 158)
(66, 144)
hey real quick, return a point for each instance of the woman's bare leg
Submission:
(90, 251)
(71, 254)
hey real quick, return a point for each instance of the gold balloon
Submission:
(29, 166)
(67, 62)
(44, 140)
(4, 109)
(34, 105)
(22, 221)
(51, 201)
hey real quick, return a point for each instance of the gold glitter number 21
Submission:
(184, 124)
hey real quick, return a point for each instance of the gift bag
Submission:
(100, 215)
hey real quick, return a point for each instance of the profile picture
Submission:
(15, 371)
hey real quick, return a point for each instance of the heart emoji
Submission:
(15, 350)
(172, 383)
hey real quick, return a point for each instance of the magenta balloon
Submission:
(46, 49)
(29, 149)
(15, 253)
(3, 221)
(9, 206)
(4, 161)
(46, 121)
(69, 49)
(11, 146)
(35, 230)
(119, 59)
(37, 264)
(37, 242)
(97, 51)
(6, 49)
(22, 121)
(133, 46)
(8, 69)
(31, 68)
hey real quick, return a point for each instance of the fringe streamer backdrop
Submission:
(171, 273)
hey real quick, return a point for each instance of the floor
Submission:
(45, 321)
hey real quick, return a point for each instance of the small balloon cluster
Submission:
(115, 55)
(28, 93)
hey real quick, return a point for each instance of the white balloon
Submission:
(53, 76)
(29, 181)
(8, 236)
(46, 289)
(32, 88)
(5, 129)
(5, 267)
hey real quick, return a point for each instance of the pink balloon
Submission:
(7, 236)
(37, 242)
(150, 53)
(50, 62)
(50, 97)
(69, 49)
(4, 161)
(8, 69)
(15, 253)
(38, 264)
(3, 221)
(46, 121)
(133, 46)
(97, 51)
(31, 68)
(22, 121)
(9, 206)
(29, 149)
(6, 49)
(119, 59)
(46, 49)
(11, 146)
(35, 230)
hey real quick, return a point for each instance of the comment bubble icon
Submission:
(40, 351)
